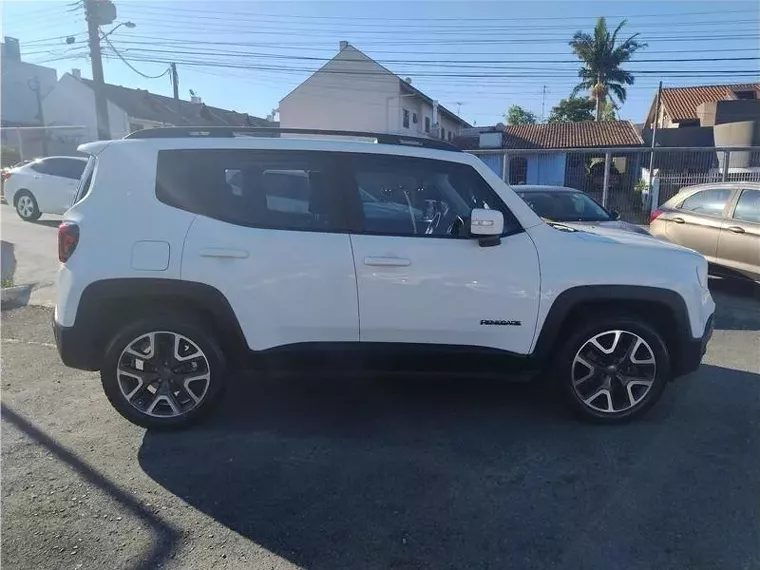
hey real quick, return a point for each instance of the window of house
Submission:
(711, 201)
(746, 95)
(405, 196)
(748, 206)
(518, 170)
(450, 137)
(443, 134)
(414, 118)
(405, 121)
(427, 124)
(288, 191)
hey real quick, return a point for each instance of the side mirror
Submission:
(487, 226)
(615, 215)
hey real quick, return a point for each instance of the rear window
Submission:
(63, 167)
(85, 182)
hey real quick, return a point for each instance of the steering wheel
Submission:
(448, 219)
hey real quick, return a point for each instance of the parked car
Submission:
(43, 186)
(573, 208)
(189, 251)
(720, 220)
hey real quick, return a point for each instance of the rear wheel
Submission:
(163, 372)
(26, 206)
(613, 369)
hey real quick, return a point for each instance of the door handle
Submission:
(678, 220)
(224, 253)
(387, 261)
(735, 229)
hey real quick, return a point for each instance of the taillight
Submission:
(656, 214)
(68, 238)
(6, 174)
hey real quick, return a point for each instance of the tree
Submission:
(516, 115)
(609, 111)
(602, 56)
(572, 110)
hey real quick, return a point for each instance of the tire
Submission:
(622, 375)
(164, 392)
(26, 206)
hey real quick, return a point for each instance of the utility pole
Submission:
(34, 85)
(97, 13)
(175, 82)
(543, 104)
(654, 135)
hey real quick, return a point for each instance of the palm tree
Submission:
(602, 58)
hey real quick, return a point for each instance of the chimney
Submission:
(435, 113)
(11, 50)
(343, 45)
(77, 73)
(195, 99)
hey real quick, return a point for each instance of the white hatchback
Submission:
(44, 186)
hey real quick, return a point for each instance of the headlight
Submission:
(702, 274)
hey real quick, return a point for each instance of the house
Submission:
(705, 116)
(555, 168)
(21, 85)
(354, 92)
(72, 102)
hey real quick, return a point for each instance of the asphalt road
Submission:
(328, 473)
(30, 253)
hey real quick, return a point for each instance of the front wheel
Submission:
(613, 369)
(163, 372)
(26, 206)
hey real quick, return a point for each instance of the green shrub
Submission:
(9, 155)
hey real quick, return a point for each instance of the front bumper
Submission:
(75, 348)
(693, 351)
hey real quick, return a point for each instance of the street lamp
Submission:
(129, 25)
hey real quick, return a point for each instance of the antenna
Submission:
(543, 104)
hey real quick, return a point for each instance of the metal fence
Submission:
(619, 178)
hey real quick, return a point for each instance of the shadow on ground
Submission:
(737, 304)
(48, 223)
(368, 473)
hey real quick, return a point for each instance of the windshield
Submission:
(562, 206)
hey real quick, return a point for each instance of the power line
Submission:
(130, 66)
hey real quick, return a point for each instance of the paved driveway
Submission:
(323, 472)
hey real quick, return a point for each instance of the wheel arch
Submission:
(105, 304)
(663, 309)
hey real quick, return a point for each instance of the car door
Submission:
(697, 221)
(279, 253)
(56, 182)
(421, 278)
(739, 242)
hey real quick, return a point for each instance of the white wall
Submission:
(19, 102)
(339, 97)
(73, 103)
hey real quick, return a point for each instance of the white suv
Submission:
(186, 252)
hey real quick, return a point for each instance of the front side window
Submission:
(418, 197)
(405, 121)
(711, 201)
(427, 124)
(748, 206)
(268, 189)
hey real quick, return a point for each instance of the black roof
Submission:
(141, 104)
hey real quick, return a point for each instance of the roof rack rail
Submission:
(274, 132)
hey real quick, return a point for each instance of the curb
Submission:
(14, 297)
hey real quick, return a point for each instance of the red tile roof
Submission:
(681, 102)
(563, 135)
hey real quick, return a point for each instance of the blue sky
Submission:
(479, 57)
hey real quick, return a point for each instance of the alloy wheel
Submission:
(163, 374)
(25, 206)
(613, 371)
